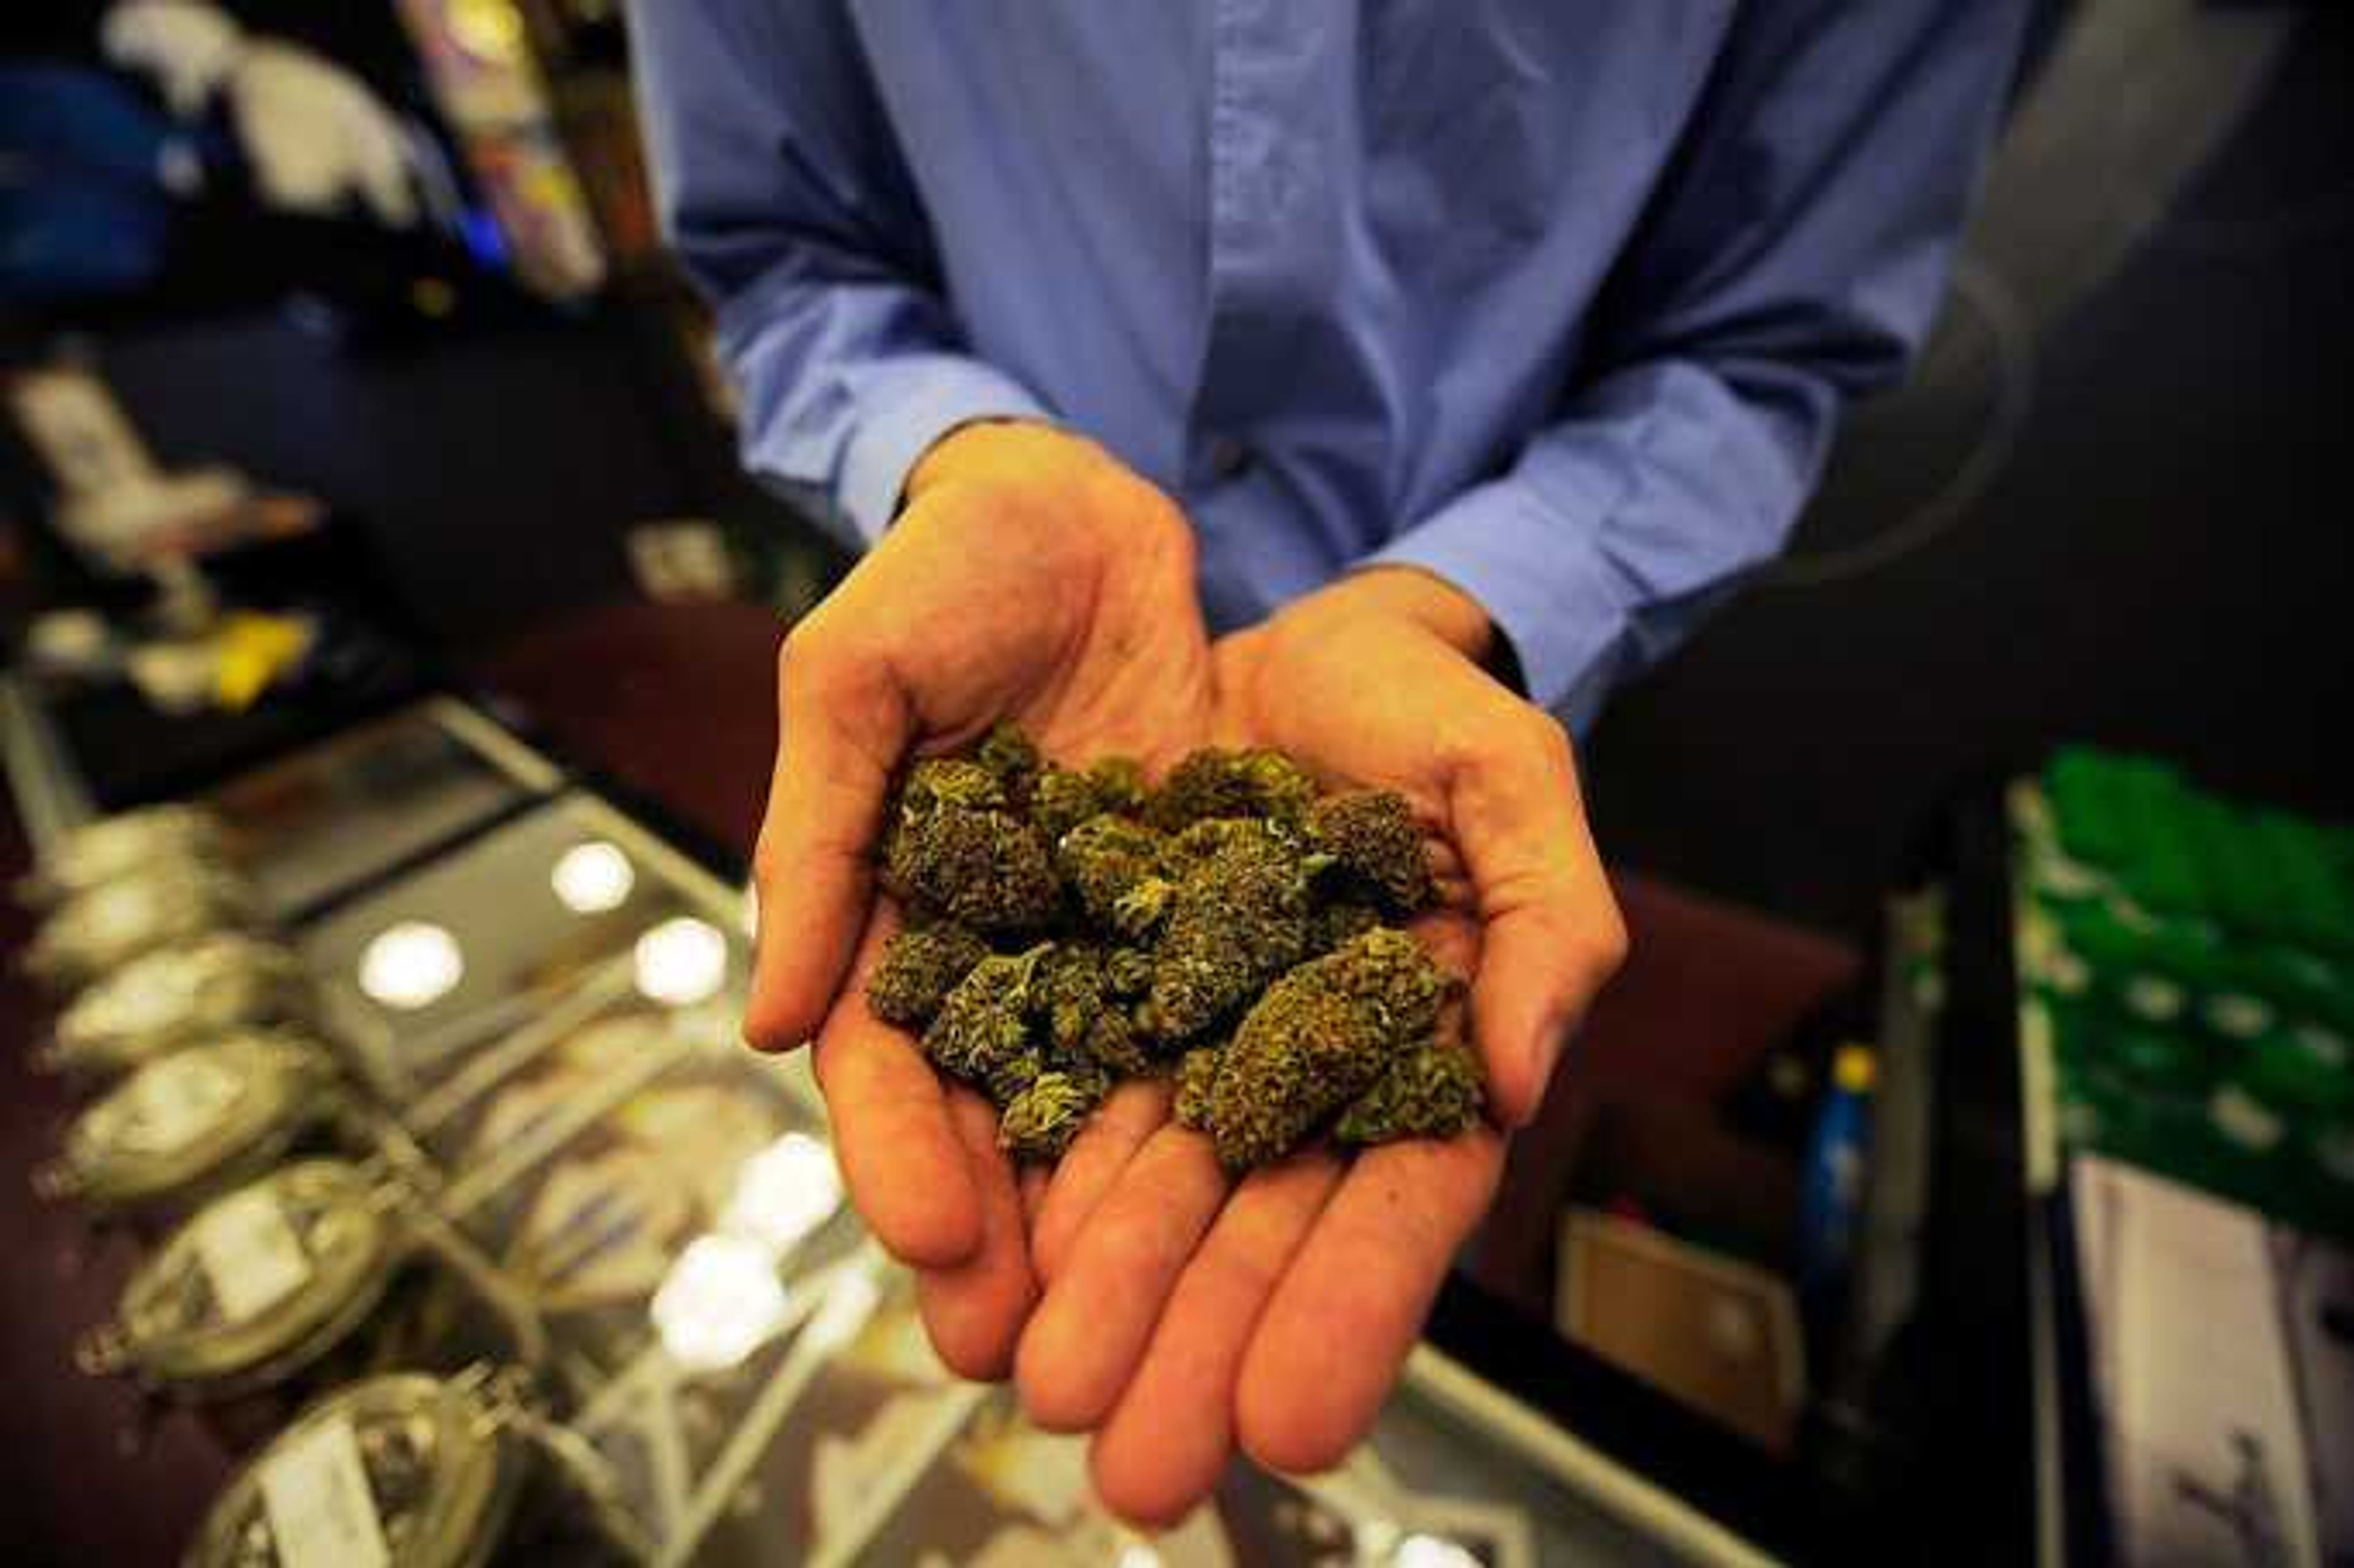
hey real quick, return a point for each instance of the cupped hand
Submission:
(1183, 1315)
(1031, 577)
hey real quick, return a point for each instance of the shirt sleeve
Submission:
(1794, 257)
(780, 188)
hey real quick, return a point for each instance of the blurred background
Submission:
(341, 366)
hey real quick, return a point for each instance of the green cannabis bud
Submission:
(1213, 783)
(1063, 797)
(981, 1033)
(1235, 919)
(918, 967)
(1012, 758)
(1104, 859)
(1433, 1091)
(1040, 1122)
(959, 848)
(1070, 929)
(1319, 1038)
(1377, 845)
(1197, 1076)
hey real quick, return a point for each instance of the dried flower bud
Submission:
(1197, 1076)
(1063, 797)
(918, 968)
(1213, 783)
(1040, 1122)
(1012, 758)
(982, 1029)
(1236, 920)
(959, 850)
(1337, 924)
(1377, 845)
(1435, 1090)
(1317, 1040)
(1104, 858)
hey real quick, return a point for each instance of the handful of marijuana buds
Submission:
(1232, 929)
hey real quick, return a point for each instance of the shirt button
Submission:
(1226, 456)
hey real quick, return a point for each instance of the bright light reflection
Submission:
(784, 1194)
(682, 961)
(1430, 1552)
(593, 877)
(848, 1303)
(1138, 1555)
(720, 1302)
(412, 965)
(750, 919)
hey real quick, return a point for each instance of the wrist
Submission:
(985, 448)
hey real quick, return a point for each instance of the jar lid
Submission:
(403, 1469)
(118, 920)
(257, 1283)
(189, 1116)
(119, 845)
(171, 997)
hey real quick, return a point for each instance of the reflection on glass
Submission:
(848, 1303)
(1430, 1552)
(750, 919)
(720, 1302)
(682, 961)
(1138, 1555)
(784, 1194)
(593, 877)
(414, 964)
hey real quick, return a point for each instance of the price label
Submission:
(250, 1256)
(320, 1512)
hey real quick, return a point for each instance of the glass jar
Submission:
(263, 1282)
(118, 921)
(112, 847)
(177, 996)
(195, 1122)
(419, 1472)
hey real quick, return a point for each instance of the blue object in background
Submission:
(84, 205)
(1830, 1193)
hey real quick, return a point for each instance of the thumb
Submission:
(843, 724)
(1550, 932)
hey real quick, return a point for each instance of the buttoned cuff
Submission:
(1548, 591)
(907, 403)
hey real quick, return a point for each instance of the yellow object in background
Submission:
(251, 651)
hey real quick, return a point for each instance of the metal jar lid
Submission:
(172, 997)
(256, 1285)
(119, 920)
(111, 847)
(404, 1469)
(206, 1114)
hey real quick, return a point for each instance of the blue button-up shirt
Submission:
(1556, 299)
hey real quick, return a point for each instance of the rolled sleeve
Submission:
(1548, 591)
(906, 404)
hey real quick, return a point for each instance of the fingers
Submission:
(902, 1157)
(1351, 1306)
(1552, 934)
(1089, 1167)
(1172, 1431)
(1086, 1337)
(843, 724)
(974, 1311)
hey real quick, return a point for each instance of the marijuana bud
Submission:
(1376, 842)
(1212, 783)
(1435, 1090)
(1337, 924)
(1104, 858)
(1012, 758)
(918, 967)
(961, 850)
(1236, 920)
(981, 1033)
(1040, 1122)
(1063, 798)
(1068, 995)
(1197, 1076)
(1319, 1038)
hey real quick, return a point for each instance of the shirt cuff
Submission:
(1550, 593)
(908, 404)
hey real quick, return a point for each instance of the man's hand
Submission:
(1031, 577)
(1180, 1316)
